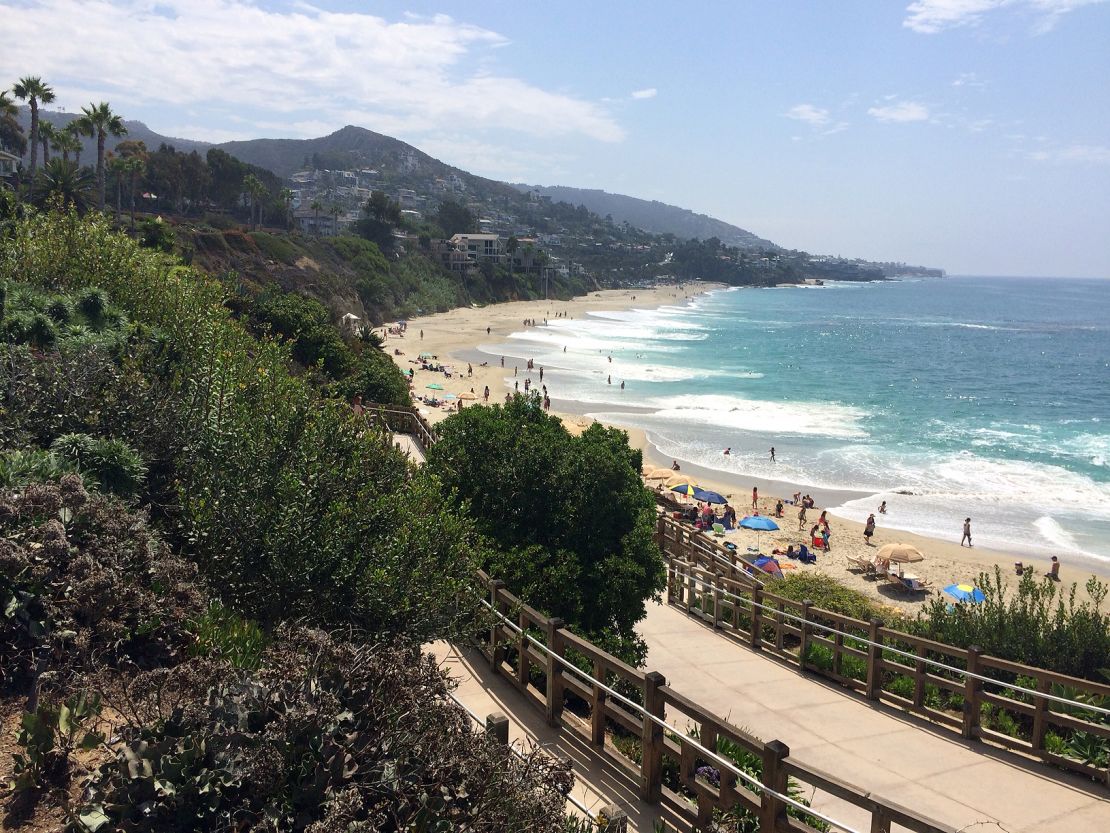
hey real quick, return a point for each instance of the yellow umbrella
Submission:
(900, 554)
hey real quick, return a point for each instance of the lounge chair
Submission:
(919, 585)
(861, 565)
(896, 581)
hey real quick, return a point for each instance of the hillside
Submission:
(654, 216)
(136, 131)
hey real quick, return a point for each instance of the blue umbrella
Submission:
(965, 593)
(707, 496)
(760, 522)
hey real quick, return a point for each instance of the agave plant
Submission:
(62, 184)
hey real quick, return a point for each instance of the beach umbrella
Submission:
(434, 386)
(468, 395)
(425, 356)
(900, 554)
(449, 396)
(965, 593)
(707, 496)
(656, 474)
(759, 523)
(687, 489)
(677, 479)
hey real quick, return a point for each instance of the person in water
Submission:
(967, 532)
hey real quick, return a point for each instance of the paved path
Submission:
(408, 444)
(896, 756)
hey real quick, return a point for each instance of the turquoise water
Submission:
(987, 397)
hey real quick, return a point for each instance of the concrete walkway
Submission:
(410, 447)
(968, 785)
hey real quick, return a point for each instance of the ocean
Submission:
(948, 398)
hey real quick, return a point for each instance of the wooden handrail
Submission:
(686, 560)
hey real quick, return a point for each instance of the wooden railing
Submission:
(611, 705)
(402, 419)
(967, 692)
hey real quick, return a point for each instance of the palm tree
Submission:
(99, 120)
(66, 142)
(115, 165)
(286, 195)
(47, 135)
(316, 207)
(134, 156)
(254, 187)
(74, 131)
(335, 212)
(64, 183)
(11, 134)
(33, 90)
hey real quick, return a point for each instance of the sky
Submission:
(968, 134)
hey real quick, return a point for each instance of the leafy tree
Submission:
(570, 517)
(254, 188)
(456, 218)
(34, 91)
(98, 120)
(380, 216)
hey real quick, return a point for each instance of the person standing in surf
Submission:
(967, 532)
(772, 454)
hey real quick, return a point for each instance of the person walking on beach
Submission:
(772, 454)
(801, 518)
(869, 529)
(485, 394)
(967, 532)
(755, 497)
(825, 537)
(421, 335)
(487, 330)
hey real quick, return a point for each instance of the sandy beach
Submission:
(454, 338)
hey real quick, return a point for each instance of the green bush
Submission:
(827, 593)
(114, 465)
(1041, 624)
(222, 633)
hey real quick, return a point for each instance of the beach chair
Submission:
(920, 585)
(896, 581)
(860, 565)
(718, 530)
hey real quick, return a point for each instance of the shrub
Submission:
(1041, 624)
(827, 593)
(221, 633)
(115, 466)
(89, 581)
(327, 735)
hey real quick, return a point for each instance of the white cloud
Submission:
(903, 111)
(969, 79)
(298, 67)
(650, 92)
(932, 16)
(810, 114)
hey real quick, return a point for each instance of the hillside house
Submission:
(481, 246)
(9, 164)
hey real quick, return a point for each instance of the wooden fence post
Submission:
(874, 654)
(597, 710)
(556, 648)
(523, 665)
(772, 810)
(803, 645)
(496, 648)
(651, 739)
(971, 694)
(1040, 706)
(756, 620)
(497, 727)
(717, 600)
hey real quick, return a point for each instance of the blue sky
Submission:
(969, 134)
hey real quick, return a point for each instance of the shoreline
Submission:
(459, 335)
